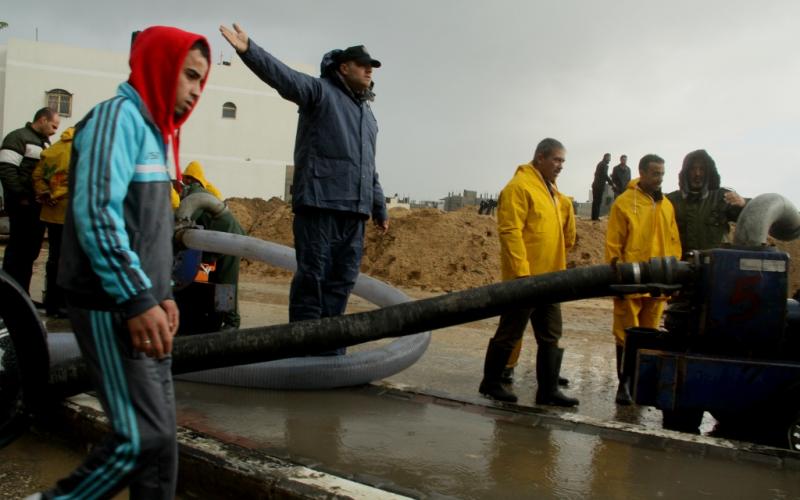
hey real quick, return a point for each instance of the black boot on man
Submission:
(623, 390)
(508, 377)
(548, 366)
(491, 385)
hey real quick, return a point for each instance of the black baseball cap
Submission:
(358, 53)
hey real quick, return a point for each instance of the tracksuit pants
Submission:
(136, 392)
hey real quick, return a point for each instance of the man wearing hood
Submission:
(225, 267)
(335, 188)
(641, 225)
(116, 264)
(702, 208)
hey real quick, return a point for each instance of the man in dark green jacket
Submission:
(226, 271)
(703, 210)
(18, 157)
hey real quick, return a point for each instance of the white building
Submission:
(242, 131)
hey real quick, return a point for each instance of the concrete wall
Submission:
(246, 156)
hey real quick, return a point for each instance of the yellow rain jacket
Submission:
(640, 227)
(174, 198)
(51, 178)
(568, 219)
(195, 171)
(530, 222)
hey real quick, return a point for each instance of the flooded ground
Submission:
(431, 450)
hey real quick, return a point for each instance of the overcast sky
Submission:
(468, 87)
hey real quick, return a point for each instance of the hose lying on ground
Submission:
(313, 372)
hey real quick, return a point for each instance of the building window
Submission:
(60, 101)
(229, 110)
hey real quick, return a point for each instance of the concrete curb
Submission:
(210, 468)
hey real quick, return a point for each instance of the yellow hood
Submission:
(195, 171)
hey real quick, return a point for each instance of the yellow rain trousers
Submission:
(639, 228)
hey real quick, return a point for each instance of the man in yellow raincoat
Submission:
(531, 229)
(641, 225)
(51, 185)
(568, 220)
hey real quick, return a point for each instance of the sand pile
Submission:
(425, 248)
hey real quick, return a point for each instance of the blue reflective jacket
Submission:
(334, 150)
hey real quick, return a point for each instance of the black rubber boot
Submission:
(491, 385)
(548, 365)
(507, 377)
(623, 389)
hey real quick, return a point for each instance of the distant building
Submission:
(397, 202)
(242, 131)
(427, 204)
(287, 184)
(458, 201)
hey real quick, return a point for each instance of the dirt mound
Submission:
(430, 249)
(268, 220)
(424, 248)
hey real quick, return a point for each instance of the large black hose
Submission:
(215, 350)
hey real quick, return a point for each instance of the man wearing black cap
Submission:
(335, 188)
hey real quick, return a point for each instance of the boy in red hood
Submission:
(116, 260)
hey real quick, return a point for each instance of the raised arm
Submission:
(300, 88)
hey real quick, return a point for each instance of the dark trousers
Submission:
(597, 200)
(328, 246)
(140, 451)
(54, 295)
(25, 241)
(545, 320)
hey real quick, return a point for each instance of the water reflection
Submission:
(441, 451)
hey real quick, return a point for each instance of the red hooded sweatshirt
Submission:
(156, 61)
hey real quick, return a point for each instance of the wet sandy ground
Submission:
(453, 363)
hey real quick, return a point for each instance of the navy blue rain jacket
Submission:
(334, 151)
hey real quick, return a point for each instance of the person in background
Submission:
(19, 155)
(620, 176)
(601, 178)
(641, 225)
(703, 209)
(335, 188)
(51, 185)
(116, 264)
(532, 241)
(225, 267)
